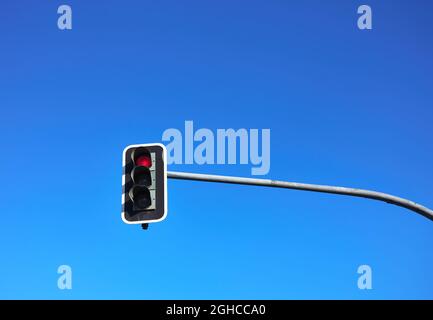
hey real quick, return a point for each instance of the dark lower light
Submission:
(140, 196)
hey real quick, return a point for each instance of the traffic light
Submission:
(144, 184)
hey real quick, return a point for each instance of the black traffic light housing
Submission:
(144, 196)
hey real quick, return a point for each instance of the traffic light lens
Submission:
(141, 176)
(142, 201)
(144, 161)
(140, 196)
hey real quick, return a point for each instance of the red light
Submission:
(144, 161)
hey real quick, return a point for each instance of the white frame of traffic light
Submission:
(164, 160)
(373, 195)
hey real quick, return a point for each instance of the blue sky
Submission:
(345, 107)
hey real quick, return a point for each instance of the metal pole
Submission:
(426, 212)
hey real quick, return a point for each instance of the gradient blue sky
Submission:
(344, 106)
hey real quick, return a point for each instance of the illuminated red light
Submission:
(144, 161)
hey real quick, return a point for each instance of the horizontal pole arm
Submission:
(426, 212)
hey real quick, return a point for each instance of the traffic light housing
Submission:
(144, 184)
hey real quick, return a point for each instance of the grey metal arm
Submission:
(426, 212)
